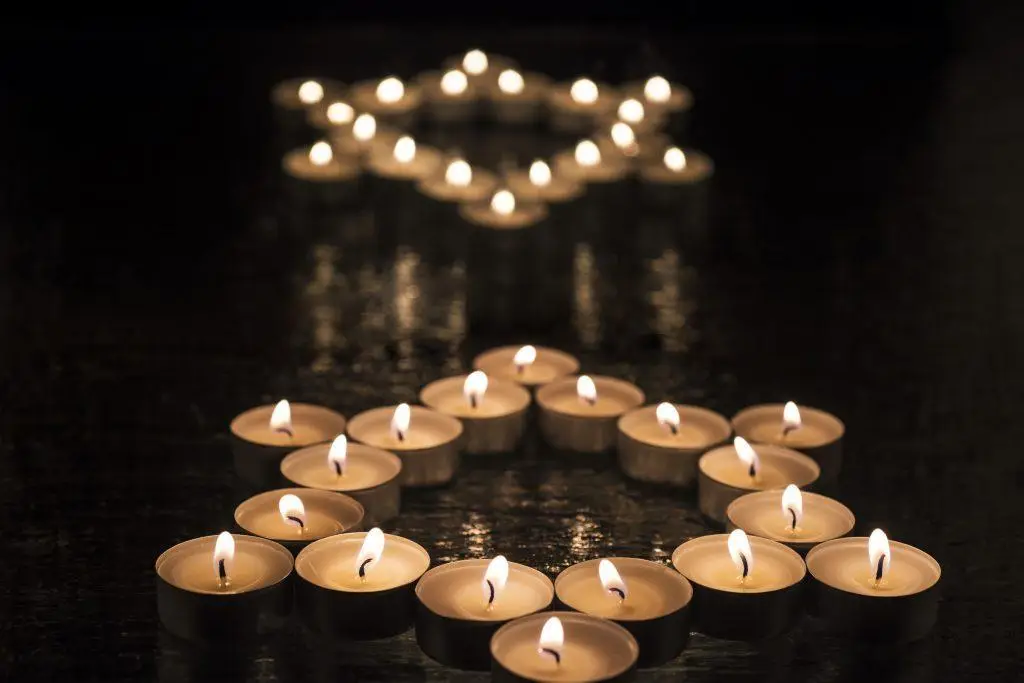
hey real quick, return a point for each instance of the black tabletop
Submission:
(861, 254)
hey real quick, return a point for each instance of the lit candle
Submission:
(481, 67)
(461, 604)
(530, 366)
(581, 413)
(675, 176)
(575, 106)
(332, 115)
(874, 589)
(660, 97)
(359, 585)
(295, 97)
(586, 163)
(370, 475)
(517, 98)
(539, 184)
(647, 598)
(794, 518)
(492, 411)
(459, 182)
(262, 436)
(223, 587)
(744, 587)
(503, 212)
(320, 175)
(449, 96)
(297, 517)
(811, 431)
(366, 136)
(405, 160)
(563, 646)
(428, 442)
(663, 443)
(389, 98)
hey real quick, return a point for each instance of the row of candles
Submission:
(623, 126)
(623, 612)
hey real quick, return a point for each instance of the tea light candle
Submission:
(646, 598)
(637, 115)
(405, 160)
(791, 517)
(369, 475)
(493, 412)
(449, 96)
(728, 472)
(294, 97)
(427, 441)
(503, 212)
(662, 444)
(460, 183)
(364, 137)
(581, 413)
(873, 588)
(811, 431)
(359, 585)
(538, 184)
(516, 98)
(675, 176)
(389, 99)
(481, 68)
(563, 646)
(334, 114)
(659, 96)
(223, 587)
(461, 604)
(531, 366)
(297, 517)
(575, 106)
(320, 171)
(586, 164)
(744, 587)
(261, 436)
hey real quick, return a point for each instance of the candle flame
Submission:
(400, 421)
(503, 202)
(587, 153)
(879, 555)
(320, 154)
(612, 580)
(586, 390)
(454, 82)
(675, 160)
(364, 127)
(511, 82)
(622, 135)
(740, 552)
(340, 112)
(475, 387)
(458, 173)
(405, 149)
(790, 418)
(657, 89)
(631, 111)
(748, 455)
(292, 510)
(540, 173)
(524, 357)
(583, 91)
(390, 90)
(792, 506)
(223, 556)
(337, 455)
(370, 551)
(311, 92)
(668, 417)
(281, 417)
(475, 62)
(552, 638)
(495, 578)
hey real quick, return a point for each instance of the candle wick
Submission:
(472, 401)
(222, 571)
(298, 521)
(792, 514)
(674, 428)
(362, 567)
(554, 654)
(337, 467)
(786, 429)
(490, 598)
(752, 471)
(746, 567)
(400, 434)
(590, 401)
(520, 368)
(878, 570)
(618, 591)
(285, 430)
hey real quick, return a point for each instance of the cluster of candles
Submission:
(788, 550)
(362, 126)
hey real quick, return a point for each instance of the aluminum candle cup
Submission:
(666, 451)
(575, 106)
(764, 604)
(655, 609)
(517, 98)
(449, 96)
(489, 214)
(389, 99)
(253, 598)
(258, 447)
(586, 164)
(369, 475)
(320, 176)
(814, 520)
(901, 607)
(334, 600)
(454, 623)
(493, 419)
(539, 185)
(429, 446)
(571, 422)
(819, 434)
(675, 176)
(407, 160)
(478, 186)
(589, 649)
(322, 514)
(722, 476)
(530, 366)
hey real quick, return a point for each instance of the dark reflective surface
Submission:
(862, 256)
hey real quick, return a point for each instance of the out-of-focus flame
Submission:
(611, 580)
(390, 90)
(552, 639)
(583, 91)
(586, 390)
(792, 506)
(668, 417)
(400, 421)
(337, 455)
(748, 455)
(739, 551)
(657, 89)
(475, 387)
(631, 111)
(495, 578)
(292, 511)
(370, 551)
(364, 127)
(503, 202)
(511, 82)
(224, 557)
(475, 62)
(311, 92)
(587, 153)
(281, 416)
(320, 154)
(622, 135)
(454, 82)
(675, 160)
(340, 113)
(458, 173)
(405, 149)
(879, 555)
(540, 173)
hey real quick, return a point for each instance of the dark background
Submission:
(863, 256)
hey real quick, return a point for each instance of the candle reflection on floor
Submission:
(586, 305)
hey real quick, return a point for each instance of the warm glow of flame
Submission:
(552, 638)
(792, 506)
(622, 135)
(525, 356)
(540, 173)
(586, 390)
(495, 578)
(405, 149)
(511, 82)
(475, 62)
(370, 551)
(657, 89)
(281, 417)
(587, 153)
(790, 418)
(400, 421)
(320, 154)
(675, 160)
(583, 91)
(458, 173)
(454, 82)
(503, 202)
(475, 387)
(390, 90)
(879, 552)
(748, 455)
(364, 127)
(739, 551)
(292, 510)
(338, 455)
(339, 113)
(223, 551)
(611, 580)
(311, 92)
(668, 416)
(631, 111)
